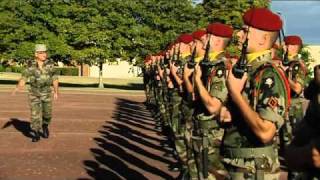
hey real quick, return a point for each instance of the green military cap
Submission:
(40, 48)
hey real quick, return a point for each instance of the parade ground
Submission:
(95, 134)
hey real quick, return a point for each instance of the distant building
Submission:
(118, 69)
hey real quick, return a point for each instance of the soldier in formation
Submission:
(229, 115)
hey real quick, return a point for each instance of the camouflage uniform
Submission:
(147, 82)
(298, 74)
(40, 93)
(206, 125)
(178, 124)
(245, 156)
(308, 131)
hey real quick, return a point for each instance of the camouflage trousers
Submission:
(41, 110)
(178, 128)
(296, 113)
(162, 106)
(187, 112)
(152, 94)
(208, 136)
(175, 101)
(147, 89)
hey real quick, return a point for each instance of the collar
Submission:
(292, 57)
(184, 55)
(252, 56)
(198, 59)
(213, 55)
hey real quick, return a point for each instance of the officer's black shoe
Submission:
(35, 136)
(45, 129)
(175, 167)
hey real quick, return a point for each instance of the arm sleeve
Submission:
(218, 89)
(271, 103)
(25, 74)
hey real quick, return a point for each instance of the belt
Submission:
(250, 152)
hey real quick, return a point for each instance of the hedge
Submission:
(67, 71)
(64, 71)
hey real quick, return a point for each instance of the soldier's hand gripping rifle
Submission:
(165, 63)
(192, 62)
(206, 65)
(241, 66)
(177, 61)
(285, 59)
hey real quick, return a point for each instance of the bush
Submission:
(2, 69)
(8, 69)
(17, 69)
(67, 71)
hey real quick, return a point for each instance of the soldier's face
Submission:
(41, 55)
(257, 40)
(293, 49)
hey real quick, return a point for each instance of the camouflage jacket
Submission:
(215, 82)
(297, 72)
(180, 64)
(269, 101)
(40, 80)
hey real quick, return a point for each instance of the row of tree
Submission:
(88, 31)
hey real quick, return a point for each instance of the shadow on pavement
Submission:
(129, 146)
(20, 125)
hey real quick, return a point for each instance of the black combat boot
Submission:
(35, 136)
(45, 131)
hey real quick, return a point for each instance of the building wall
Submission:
(121, 70)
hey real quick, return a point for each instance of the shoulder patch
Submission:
(268, 82)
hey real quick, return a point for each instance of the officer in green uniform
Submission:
(188, 102)
(213, 94)
(257, 103)
(303, 154)
(178, 124)
(41, 75)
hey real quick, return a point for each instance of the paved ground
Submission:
(94, 135)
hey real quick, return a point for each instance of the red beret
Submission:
(293, 40)
(147, 59)
(161, 53)
(219, 29)
(262, 18)
(185, 38)
(198, 34)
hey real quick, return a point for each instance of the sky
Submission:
(301, 17)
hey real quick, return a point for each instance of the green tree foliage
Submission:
(89, 31)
